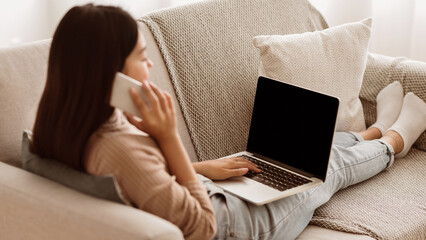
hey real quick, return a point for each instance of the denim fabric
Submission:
(352, 160)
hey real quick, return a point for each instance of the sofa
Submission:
(33, 207)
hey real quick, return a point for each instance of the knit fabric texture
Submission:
(389, 206)
(208, 50)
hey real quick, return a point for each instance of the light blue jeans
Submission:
(352, 160)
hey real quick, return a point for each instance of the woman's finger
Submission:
(170, 103)
(149, 93)
(132, 120)
(236, 172)
(138, 102)
(241, 159)
(250, 165)
(245, 164)
(160, 96)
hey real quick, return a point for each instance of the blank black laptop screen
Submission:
(293, 126)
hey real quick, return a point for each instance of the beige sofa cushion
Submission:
(33, 207)
(22, 78)
(331, 61)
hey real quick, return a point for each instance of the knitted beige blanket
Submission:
(389, 206)
(212, 63)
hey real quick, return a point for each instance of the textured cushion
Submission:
(105, 187)
(331, 61)
(381, 71)
(22, 78)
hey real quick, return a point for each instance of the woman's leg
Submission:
(371, 133)
(286, 218)
(351, 165)
(389, 103)
(352, 161)
(347, 139)
(409, 125)
(348, 166)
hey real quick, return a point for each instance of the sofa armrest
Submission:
(33, 207)
(383, 70)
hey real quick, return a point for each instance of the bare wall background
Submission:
(399, 26)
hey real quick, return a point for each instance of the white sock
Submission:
(389, 103)
(411, 122)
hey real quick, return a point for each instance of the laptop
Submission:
(290, 139)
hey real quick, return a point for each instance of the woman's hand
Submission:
(224, 168)
(159, 119)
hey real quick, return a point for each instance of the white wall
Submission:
(135, 7)
(392, 27)
(418, 34)
(23, 21)
(30, 20)
(399, 26)
(338, 12)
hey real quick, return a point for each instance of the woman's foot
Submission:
(410, 124)
(389, 104)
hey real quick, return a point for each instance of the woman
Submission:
(76, 125)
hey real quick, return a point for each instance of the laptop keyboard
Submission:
(274, 177)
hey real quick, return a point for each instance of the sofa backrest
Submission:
(160, 77)
(22, 78)
(23, 72)
(212, 63)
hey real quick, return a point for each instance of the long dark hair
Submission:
(90, 45)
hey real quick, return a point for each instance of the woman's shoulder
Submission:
(127, 144)
(117, 132)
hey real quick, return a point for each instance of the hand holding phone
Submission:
(157, 117)
(120, 96)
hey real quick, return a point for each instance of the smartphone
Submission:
(120, 95)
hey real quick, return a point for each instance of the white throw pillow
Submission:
(331, 61)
